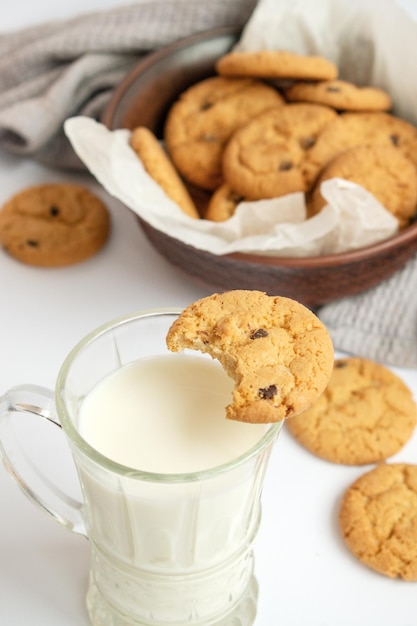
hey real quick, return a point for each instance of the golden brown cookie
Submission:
(276, 350)
(365, 415)
(158, 165)
(378, 520)
(265, 158)
(349, 130)
(340, 94)
(54, 224)
(382, 170)
(276, 64)
(203, 119)
(222, 204)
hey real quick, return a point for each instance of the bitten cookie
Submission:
(203, 119)
(365, 415)
(276, 64)
(378, 520)
(276, 350)
(265, 158)
(159, 167)
(349, 130)
(341, 95)
(222, 204)
(53, 225)
(382, 170)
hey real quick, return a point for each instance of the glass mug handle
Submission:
(36, 401)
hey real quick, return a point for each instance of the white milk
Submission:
(166, 414)
(169, 549)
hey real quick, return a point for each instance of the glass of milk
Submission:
(171, 489)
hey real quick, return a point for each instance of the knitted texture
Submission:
(380, 323)
(64, 68)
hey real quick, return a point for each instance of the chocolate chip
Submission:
(205, 106)
(267, 393)
(32, 243)
(340, 364)
(203, 336)
(307, 142)
(285, 166)
(395, 139)
(257, 334)
(234, 197)
(54, 211)
(209, 138)
(333, 89)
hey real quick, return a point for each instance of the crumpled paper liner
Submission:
(367, 41)
(352, 219)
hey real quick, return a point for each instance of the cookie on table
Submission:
(202, 120)
(365, 415)
(54, 225)
(159, 167)
(378, 520)
(276, 350)
(265, 158)
(383, 170)
(276, 64)
(341, 95)
(222, 204)
(348, 130)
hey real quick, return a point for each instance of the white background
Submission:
(305, 573)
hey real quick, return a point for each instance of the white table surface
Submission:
(305, 573)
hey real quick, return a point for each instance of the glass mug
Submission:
(166, 549)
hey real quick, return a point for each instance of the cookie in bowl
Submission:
(203, 119)
(276, 64)
(158, 165)
(265, 158)
(342, 95)
(381, 169)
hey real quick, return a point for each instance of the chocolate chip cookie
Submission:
(158, 165)
(202, 120)
(276, 64)
(381, 169)
(349, 130)
(222, 204)
(54, 224)
(276, 350)
(340, 94)
(378, 520)
(365, 415)
(265, 158)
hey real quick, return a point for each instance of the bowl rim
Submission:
(153, 57)
(402, 238)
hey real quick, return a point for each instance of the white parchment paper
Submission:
(372, 42)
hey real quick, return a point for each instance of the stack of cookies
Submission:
(270, 123)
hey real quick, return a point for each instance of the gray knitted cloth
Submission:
(51, 72)
(65, 68)
(380, 323)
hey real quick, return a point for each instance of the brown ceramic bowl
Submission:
(144, 97)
